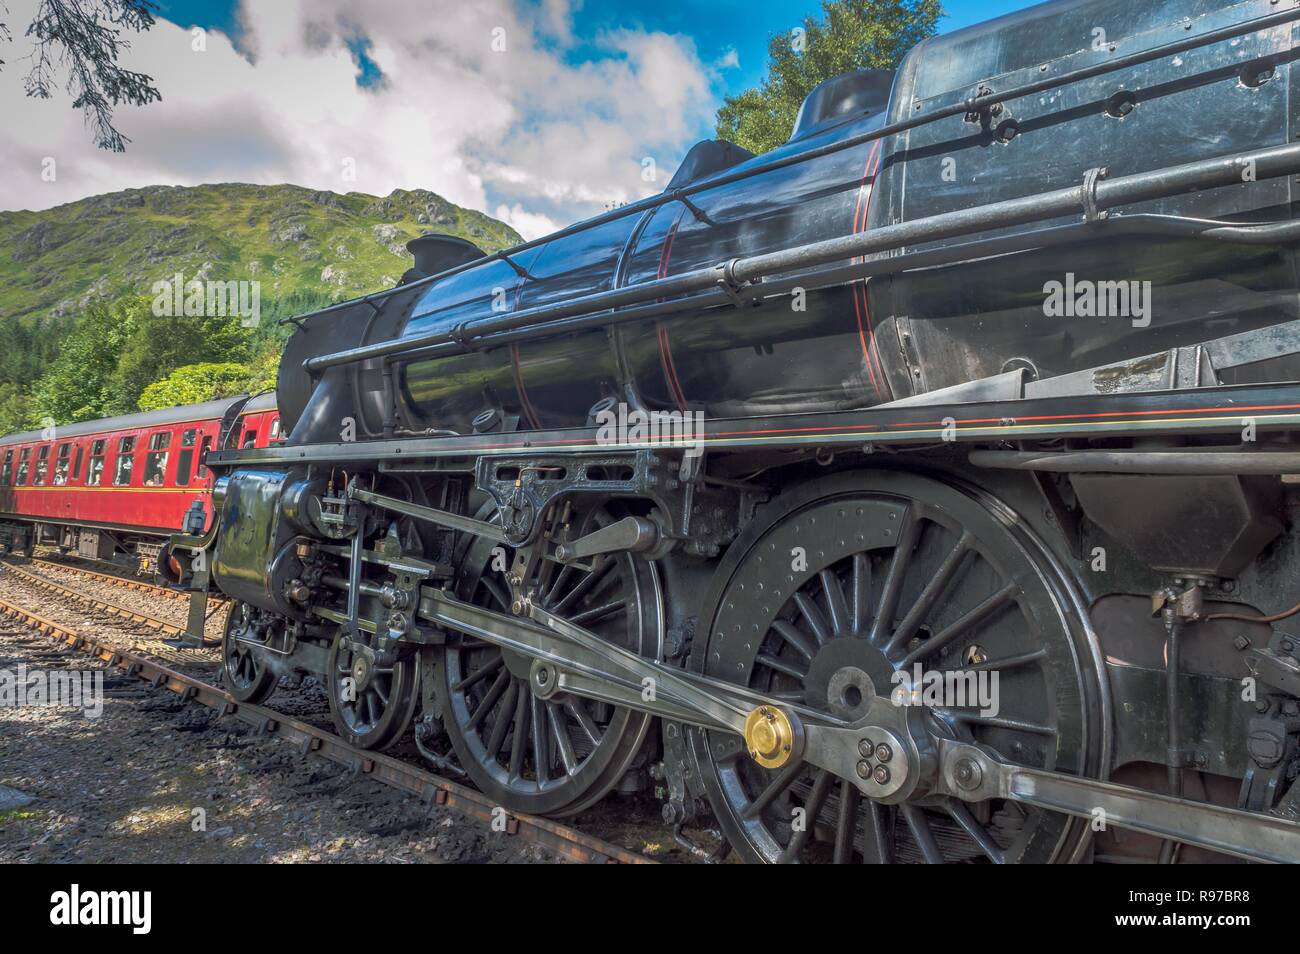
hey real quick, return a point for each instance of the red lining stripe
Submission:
(525, 405)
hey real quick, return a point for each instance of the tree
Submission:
(195, 383)
(79, 385)
(15, 411)
(851, 35)
(158, 345)
(117, 350)
(85, 37)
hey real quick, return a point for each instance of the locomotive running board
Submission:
(1223, 410)
(568, 658)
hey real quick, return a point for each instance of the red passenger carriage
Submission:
(120, 485)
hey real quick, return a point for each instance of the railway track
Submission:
(112, 609)
(123, 581)
(432, 789)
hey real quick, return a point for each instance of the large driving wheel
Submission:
(847, 581)
(558, 755)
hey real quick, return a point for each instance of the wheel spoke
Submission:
(921, 831)
(971, 618)
(816, 798)
(792, 635)
(541, 763)
(816, 622)
(498, 591)
(578, 709)
(973, 717)
(478, 674)
(847, 822)
(489, 700)
(505, 716)
(893, 587)
(961, 813)
(780, 665)
(1006, 662)
(878, 831)
(835, 602)
(519, 744)
(601, 567)
(930, 596)
(597, 613)
(783, 780)
(557, 587)
(861, 592)
(562, 741)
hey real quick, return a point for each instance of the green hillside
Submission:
(306, 248)
(293, 240)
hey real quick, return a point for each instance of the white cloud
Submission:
(524, 132)
(530, 225)
(729, 60)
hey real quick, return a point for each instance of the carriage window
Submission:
(42, 464)
(23, 458)
(7, 473)
(61, 465)
(76, 464)
(203, 456)
(275, 430)
(95, 473)
(186, 459)
(155, 462)
(250, 438)
(122, 475)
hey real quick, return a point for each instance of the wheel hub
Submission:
(361, 671)
(844, 675)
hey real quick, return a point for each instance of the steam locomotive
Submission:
(920, 491)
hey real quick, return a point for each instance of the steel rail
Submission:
(740, 277)
(122, 581)
(430, 788)
(113, 609)
(971, 104)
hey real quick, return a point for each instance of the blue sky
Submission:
(716, 26)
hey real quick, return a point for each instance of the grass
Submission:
(287, 237)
